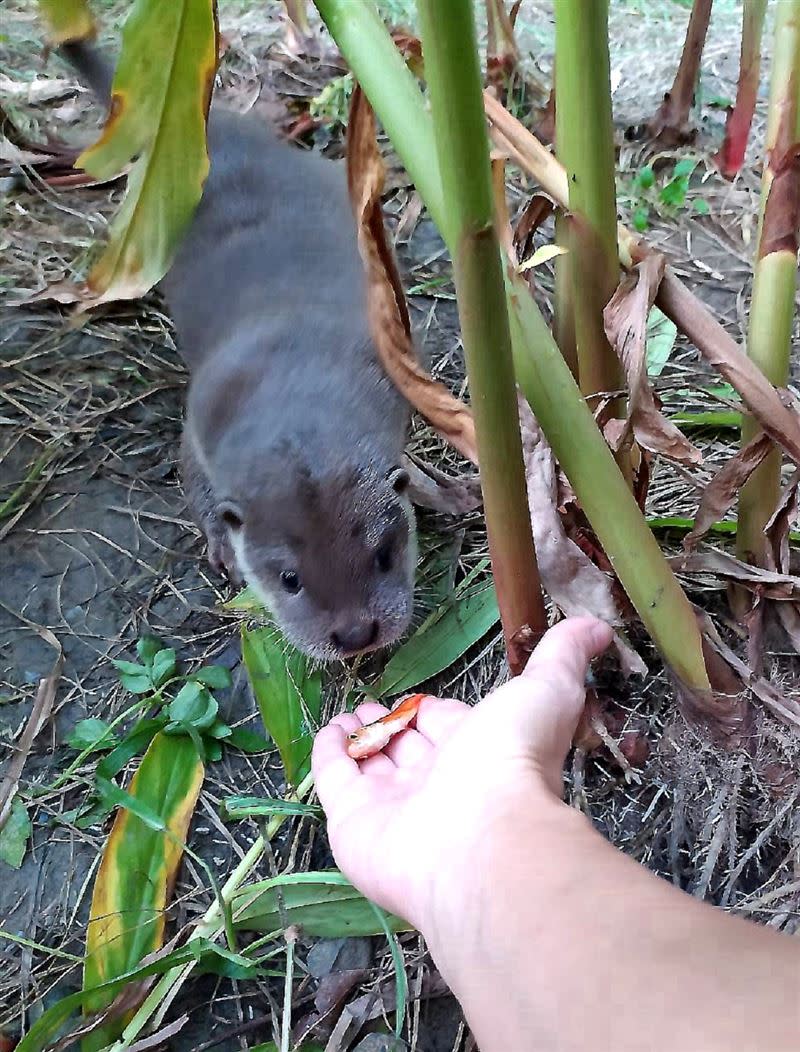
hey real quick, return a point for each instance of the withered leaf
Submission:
(570, 578)
(786, 709)
(388, 313)
(625, 318)
(722, 491)
(782, 208)
(716, 563)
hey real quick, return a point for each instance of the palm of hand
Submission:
(401, 820)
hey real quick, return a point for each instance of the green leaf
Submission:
(157, 128)
(236, 807)
(701, 207)
(66, 21)
(246, 601)
(219, 730)
(674, 193)
(163, 667)
(215, 677)
(288, 694)
(435, 647)
(135, 742)
(147, 648)
(646, 177)
(661, 333)
(641, 218)
(188, 703)
(684, 167)
(15, 834)
(49, 1025)
(324, 904)
(92, 734)
(248, 741)
(138, 867)
(134, 677)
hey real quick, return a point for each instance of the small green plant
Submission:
(666, 196)
(333, 102)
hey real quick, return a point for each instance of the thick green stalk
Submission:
(610, 507)
(392, 89)
(773, 301)
(554, 396)
(454, 85)
(585, 146)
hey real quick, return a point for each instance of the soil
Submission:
(98, 547)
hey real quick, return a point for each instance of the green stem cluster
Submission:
(540, 369)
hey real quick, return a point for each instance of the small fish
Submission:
(372, 737)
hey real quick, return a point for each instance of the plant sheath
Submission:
(772, 305)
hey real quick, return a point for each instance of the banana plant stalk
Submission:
(775, 279)
(548, 383)
(450, 52)
(737, 127)
(585, 146)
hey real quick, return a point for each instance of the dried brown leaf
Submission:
(388, 313)
(782, 209)
(40, 713)
(714, 563)
(570, 578)
(778, 553)
(786, 709)
(625, 318)
(722, 491)
(434, 489)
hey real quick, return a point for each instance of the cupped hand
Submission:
(413, 817)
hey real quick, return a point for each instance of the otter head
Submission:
(331, 554)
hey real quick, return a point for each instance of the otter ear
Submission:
(231, 514)
(399, 480)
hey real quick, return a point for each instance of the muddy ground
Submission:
(97, 547)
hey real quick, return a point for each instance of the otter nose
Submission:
(355, 637)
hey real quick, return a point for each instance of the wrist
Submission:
(512, 861)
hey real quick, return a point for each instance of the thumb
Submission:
(540, 709)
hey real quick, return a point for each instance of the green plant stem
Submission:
(557, 402)
(564, 301)
(772, 305)
(454, 86)
(394, 93)
(609, 505)
(585, 146)
(211, 926)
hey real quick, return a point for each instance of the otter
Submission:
(293, 442)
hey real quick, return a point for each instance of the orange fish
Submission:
(373, 737)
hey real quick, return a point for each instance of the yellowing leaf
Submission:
(542, 255)
(66, 21)
(160, 98)
(138, 871)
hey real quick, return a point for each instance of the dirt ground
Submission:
(97, 546)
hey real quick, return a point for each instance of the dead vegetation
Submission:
(97, 547)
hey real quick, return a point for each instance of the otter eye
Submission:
(290, 582)
(231, 516)
(383, 558)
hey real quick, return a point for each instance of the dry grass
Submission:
(99, 546)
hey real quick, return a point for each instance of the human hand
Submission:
(410, 823)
